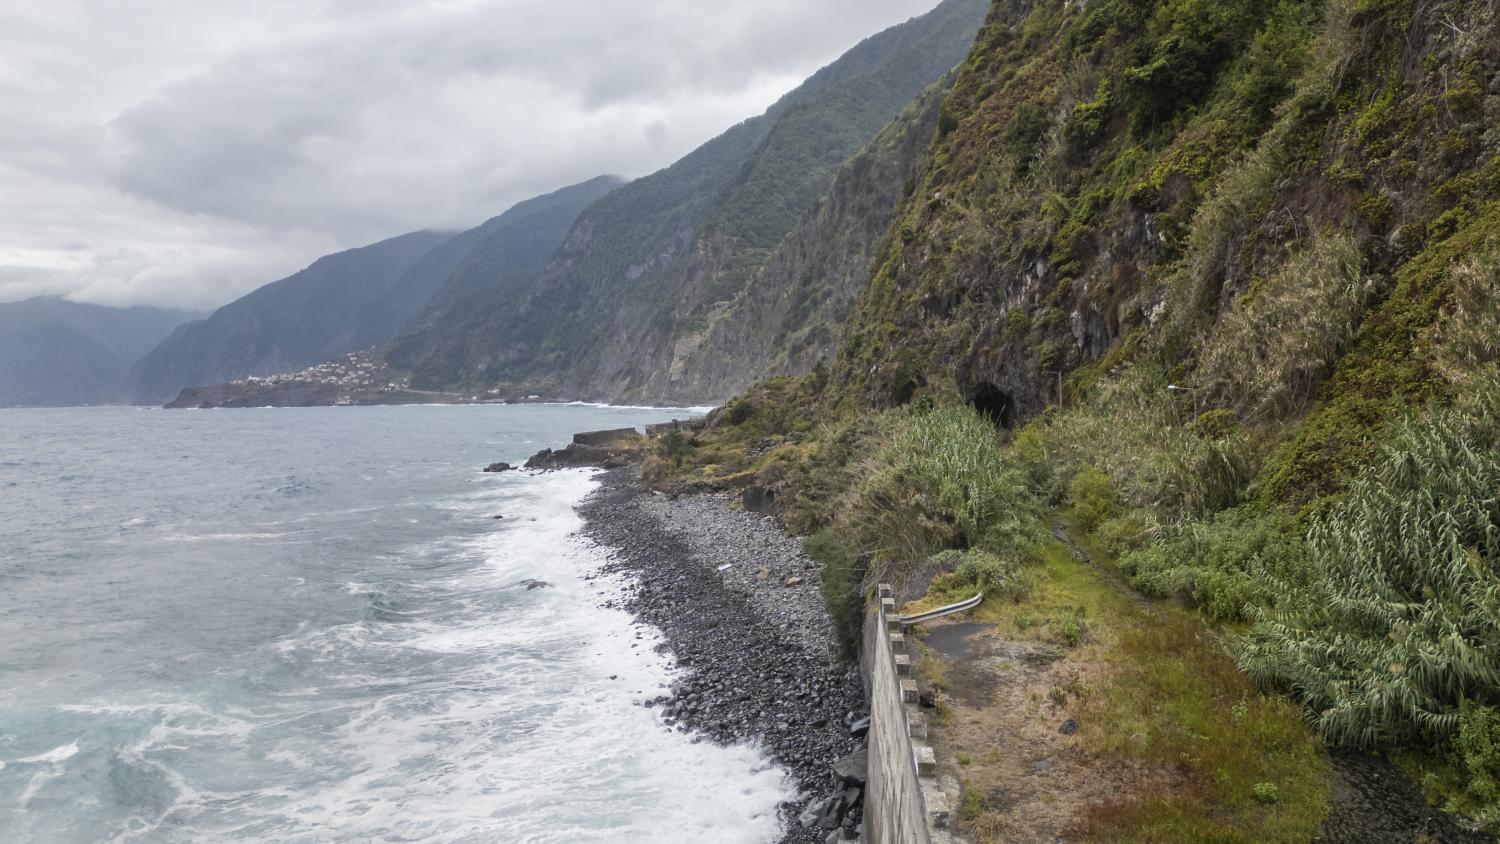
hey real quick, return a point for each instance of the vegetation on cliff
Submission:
(1210, 290)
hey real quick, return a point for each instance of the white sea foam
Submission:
(230, 536)
(699, 410)
(544, 735)
(50, 757)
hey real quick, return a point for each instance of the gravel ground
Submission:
(751, 543)
(761, 659)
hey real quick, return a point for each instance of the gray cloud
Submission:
(181, 154)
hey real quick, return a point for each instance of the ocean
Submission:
(305, 625)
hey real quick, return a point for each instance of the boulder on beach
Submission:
(499, 467)
(851, 769)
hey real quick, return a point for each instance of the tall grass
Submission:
(1399, 625)
(1466, 339)
(1271, 350)
(941, 481)
(1144, 437)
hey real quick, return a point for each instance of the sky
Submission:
(181, 153)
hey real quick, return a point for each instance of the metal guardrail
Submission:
(961, 606)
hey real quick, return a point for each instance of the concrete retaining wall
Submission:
(903, 804)
(605, 439)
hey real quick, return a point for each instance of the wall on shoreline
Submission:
(903, 803)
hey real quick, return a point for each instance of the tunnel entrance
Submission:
(992, 402)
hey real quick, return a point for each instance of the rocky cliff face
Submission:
(788, 318)
(1268, 201)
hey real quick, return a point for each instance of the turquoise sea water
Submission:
(302, 625)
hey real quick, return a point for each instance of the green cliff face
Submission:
(638, 281)
(1253, 196)
(488, 275)
(1211, 289)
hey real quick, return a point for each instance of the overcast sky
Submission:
(184, 152)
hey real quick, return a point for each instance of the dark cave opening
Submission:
(993, 402)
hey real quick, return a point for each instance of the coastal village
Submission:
(362, 371)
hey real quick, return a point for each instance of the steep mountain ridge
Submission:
(305, 318)
(359, 298)
(491, 265)
(631, 291)
(56, 352)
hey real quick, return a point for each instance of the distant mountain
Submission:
(354, 299)
(641, 276)
(500, 257)
(55, 352)
(300, 320)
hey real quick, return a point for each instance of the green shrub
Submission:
(1073, 631)
(739, 411)
(1399, 625)
(1265, 792)
(1088, 119)
(1094, 498)
(843, 577)
(1025, 131)
(1157, 458)
(674, 446)
(1125, 533)
(1478, 746)
(980, 571)
(1220, 565)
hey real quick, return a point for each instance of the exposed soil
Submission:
(1001, 715)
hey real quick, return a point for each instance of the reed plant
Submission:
(942, 480)
(1465, 341)
(1397, 627)
(1138, 430)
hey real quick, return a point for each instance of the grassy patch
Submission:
(1233, 764)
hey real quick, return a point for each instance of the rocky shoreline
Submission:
(739, 608)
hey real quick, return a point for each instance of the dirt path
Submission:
(1006, 730)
